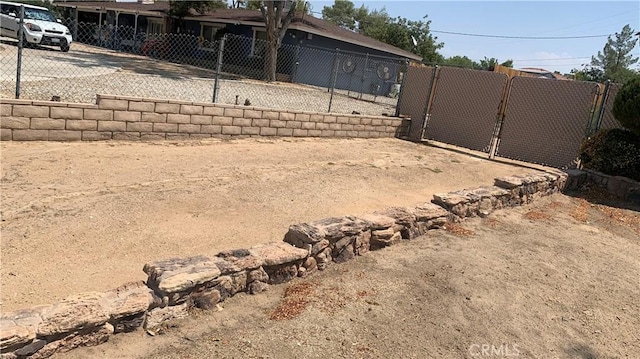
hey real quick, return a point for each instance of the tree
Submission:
(341, 13)
(344, 13)
(626, 106)
(616, 57)
(489, 64)
(409, 35)
(508, 63)
(460, 61)
(588, 73)
(276, 27)
(180, 9)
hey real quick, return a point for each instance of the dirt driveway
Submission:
(86, 216)
(556, 279)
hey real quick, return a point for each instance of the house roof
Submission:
(159, 9)
(305, 22)
(543, 72)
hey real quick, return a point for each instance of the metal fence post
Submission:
(216, 85)
(427, 106)
(334, 77)
(502, 111)
(296, 64)
(20, 46)
(404, 76)
(364, 72)
(75, 23)
(605, 95)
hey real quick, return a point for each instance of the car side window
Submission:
(8, 9)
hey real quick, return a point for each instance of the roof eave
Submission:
(103, 7)
(400, 52)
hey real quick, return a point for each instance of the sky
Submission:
(518, 18)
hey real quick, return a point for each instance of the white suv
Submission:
(40, 26)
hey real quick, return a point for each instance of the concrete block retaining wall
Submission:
(132, 118)
(175, 285)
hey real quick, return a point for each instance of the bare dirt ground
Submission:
(87, 216)
(555, 279)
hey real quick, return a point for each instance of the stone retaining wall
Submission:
(132, 118)
(175, 285)
(621, 187)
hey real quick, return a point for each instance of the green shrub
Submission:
(626, 106)
(614, 151)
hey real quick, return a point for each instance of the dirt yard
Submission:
(87, 216)
(555, 279)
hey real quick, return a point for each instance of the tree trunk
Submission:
(271, 53)
(276, 28)
(270, 61)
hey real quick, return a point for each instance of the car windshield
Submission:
(37, 14)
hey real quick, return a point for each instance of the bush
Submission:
(626, 106)
(614, 151)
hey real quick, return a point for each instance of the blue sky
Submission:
(519, 18)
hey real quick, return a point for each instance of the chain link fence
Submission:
(223, 68)
(545, 120)
(606, 110)
(465, 107)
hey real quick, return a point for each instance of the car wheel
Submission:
(64, 46)
(25, 44)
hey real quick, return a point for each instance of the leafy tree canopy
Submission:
(614, 61)
(409, 35)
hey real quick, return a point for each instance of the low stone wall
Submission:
(132, 118)
(175, 285)
(621, 187)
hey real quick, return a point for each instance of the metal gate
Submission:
(416, 89)
(465, 107)
(545, 120)
(608, 121)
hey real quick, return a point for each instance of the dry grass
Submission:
(537, 216)
(296, 299)
(615, 215)
(333, 299)
(555, 205)
(458, 230)
(492, 222)
(620, 217)
(581, 212)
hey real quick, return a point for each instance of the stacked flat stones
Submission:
(176, 285)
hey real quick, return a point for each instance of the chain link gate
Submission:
(464, 107)
(414, 98)
(545, 120)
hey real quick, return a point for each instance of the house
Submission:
(312, 49)
(529, 72)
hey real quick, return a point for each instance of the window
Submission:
(259, 43)
(155, 26)
(9, 9)
(208, 35)
(37, 14)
